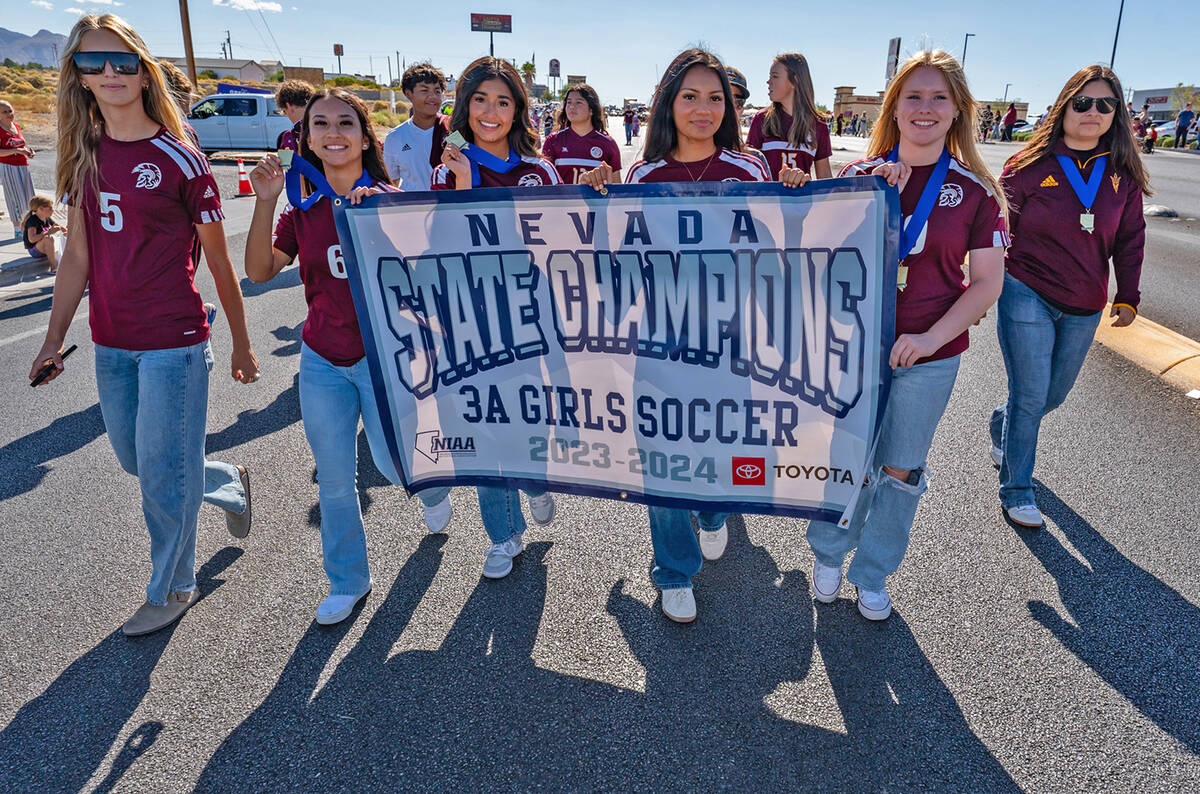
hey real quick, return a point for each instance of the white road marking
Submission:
(41, 329)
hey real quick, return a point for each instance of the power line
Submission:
(270, 32)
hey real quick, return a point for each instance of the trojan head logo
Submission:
(530, 180)
(1116, 182)
(148, 175)
(951, 195)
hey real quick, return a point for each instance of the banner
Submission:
(690, 345)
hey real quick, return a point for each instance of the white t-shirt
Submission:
(406, 155)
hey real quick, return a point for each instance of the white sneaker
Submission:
(997, 456)
(1026, 516)
(826, 582)
(437, 517)
(712, 543)
(874, 604)
(337, 608)
(499, 558)
(541, 508)
(679, 604)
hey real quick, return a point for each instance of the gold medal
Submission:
(902, 277)
(1088, 222)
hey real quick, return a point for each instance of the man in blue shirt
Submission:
(1182, 122)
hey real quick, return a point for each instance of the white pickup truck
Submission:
(237, 121)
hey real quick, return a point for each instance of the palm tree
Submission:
(528, 71)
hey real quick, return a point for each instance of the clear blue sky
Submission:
(622, 45)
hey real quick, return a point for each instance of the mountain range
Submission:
(38, 48)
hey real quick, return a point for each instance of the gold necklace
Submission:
(711, 157)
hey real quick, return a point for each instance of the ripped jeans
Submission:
(884, 515)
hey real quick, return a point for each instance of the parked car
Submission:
(237, 121)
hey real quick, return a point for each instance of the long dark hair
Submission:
(521, 137)
(661, 136)
(804, 106)
(1118, 140)
(591, 97)
(372, 156)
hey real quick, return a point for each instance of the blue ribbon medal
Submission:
(1088, 191)
(916, 222)
(303, 168)
(479, 157)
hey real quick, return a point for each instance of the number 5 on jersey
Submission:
(110, 213)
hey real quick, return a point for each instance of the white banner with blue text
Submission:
(719, 344)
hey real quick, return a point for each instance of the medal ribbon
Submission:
(301, 167)
(929, 196)
(479, 157)
(1086, 192)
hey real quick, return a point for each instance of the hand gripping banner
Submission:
(688, 345)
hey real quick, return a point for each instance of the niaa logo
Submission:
(148, 175)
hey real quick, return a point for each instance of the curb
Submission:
(1170, 355)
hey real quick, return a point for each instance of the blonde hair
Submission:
(960, 140)
(80, 123)
(35, 204)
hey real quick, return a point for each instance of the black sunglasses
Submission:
(93, 62)
(1104, 104)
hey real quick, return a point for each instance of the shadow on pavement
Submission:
(289, 335)
(57, 740)
(41, 304)
(1135, 632)
(25, 458)
(478, 710)
(290, 277)
(283, 411)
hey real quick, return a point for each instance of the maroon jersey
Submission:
(723, 166)
(779, 151)
(140, 233)
(290, 139)
(1053, 255)
(331, 328)
(13, 140)
(967, 217)
(530, 172)
(441, 129)
(574, 155)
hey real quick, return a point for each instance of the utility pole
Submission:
(1116, 35)
(963, 62)
(389, 60)
(187, 42)
(399, 71)
(229, 42)
(1006, 87)
(55, 46)
(371, 63)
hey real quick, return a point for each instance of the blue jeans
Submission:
(677, 555)
(1043, 352)
(332, 399)
(628, 134)
(881, 523)
(155, 405)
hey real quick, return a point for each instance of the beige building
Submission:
(244, 70)
(846, 103)
(1000, 107)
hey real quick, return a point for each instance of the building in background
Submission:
(1163, 102)
(240, 69)
(846, 103)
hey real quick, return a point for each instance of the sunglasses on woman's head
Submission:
(1104, 104)
(93, 62)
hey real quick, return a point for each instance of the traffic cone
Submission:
(244, 188)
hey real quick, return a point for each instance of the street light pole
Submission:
(963, 62)
(1120, 13)
(187, 41)
(1006, 87)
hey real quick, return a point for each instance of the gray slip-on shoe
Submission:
(150, 617)
(239, 523)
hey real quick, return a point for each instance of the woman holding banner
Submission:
(581, 142)
(792, 133)
(491, 144)
(1076, 191)
(341, 157)
(692, 136)
(924, 144)
(139, 197)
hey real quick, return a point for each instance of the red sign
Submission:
(491, 23)
(749, 471)
(1157, 100)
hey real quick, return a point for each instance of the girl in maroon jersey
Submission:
(924, 144)
(693, 135)
(491, 114)
(136, 189)
(580, 141)
(792, 133)
(336, 136)
(1076, 194)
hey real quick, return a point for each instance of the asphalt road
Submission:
(1064, 660)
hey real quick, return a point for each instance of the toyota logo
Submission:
(749, 471)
